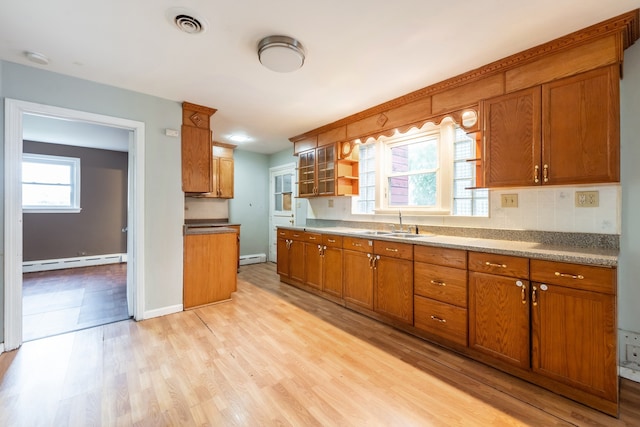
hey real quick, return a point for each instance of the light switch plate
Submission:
(509, 201)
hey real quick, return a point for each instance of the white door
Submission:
(282, 203)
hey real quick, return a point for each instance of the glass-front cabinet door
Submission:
(307, 173)
(326, 170)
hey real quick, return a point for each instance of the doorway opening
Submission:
(282, 203)
(15, 112)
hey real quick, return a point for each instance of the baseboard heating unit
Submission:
(81, 261)
(253, 259)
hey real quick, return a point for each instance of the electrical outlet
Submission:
(633, 353)
(330, 203)
(587, 199)
(509, 200)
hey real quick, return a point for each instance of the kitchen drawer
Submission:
(502, 265)
(444, 284)
(312, 238)
(297, 235)
(357, 244)
(441, 256)
(393, 249)
(332, 241)
(576, 276)
(444, 320)
(285, 234)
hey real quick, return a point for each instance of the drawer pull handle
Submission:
(312, 238)
(390, 249)
(438, 319)
(438, 283)
(356, 244)
(569, 276)
(491, 264)
(331, 240)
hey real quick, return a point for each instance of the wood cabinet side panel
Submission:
(196, 160)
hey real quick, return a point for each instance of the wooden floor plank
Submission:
(273, 355)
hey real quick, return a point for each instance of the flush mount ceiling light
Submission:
(37, 58)
(186, 20)
(281, 53)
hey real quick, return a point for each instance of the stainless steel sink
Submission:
(405, 235)
(375, 233)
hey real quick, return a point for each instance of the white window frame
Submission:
(444, 132)
(74, 164)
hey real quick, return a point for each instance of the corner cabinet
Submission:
(562, 132)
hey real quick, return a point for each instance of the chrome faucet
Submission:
(400, 218)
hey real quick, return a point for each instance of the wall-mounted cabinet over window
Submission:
(50, 183)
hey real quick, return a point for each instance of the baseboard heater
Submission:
(253, 259)
(81, 261)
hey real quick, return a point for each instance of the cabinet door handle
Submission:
(391, 249)
(370, 260)
(569, 276)
(491, 264)
(545, 173)
(438, 319)
(438, 283)
(320, 250)
(534, 297)
(523, 294)
(536, 174)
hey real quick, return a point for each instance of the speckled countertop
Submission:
(536, 250)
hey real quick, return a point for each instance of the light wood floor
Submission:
(273, 356)
(59, 301)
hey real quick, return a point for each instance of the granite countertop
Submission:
(544, 251)
(208, 230)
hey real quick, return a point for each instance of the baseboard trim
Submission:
(149, 314)
(629, 372)
(62, 263)
(253, 259)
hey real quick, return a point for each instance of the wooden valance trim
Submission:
(626, 24)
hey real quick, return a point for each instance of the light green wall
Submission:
(164, 200)
(629, 270)
(250, 204)
(282, 157)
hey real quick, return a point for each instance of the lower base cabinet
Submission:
(551, 323)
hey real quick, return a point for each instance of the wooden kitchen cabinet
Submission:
(196, 148)
(574, 326)
(393, 280)
(312, 247)
(357, 271)
(290, 257)
(323, 171)
(332, 265)
(222, 171)
(499, 307)
(210, 268)
(562, 132)
(440, 293)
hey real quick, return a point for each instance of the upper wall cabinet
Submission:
(196, 148)
(329, 170)
(563, 132)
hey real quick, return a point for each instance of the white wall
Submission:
(164, 199)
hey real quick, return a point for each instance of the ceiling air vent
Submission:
(186, 21)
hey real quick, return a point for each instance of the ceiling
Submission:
(360, 53)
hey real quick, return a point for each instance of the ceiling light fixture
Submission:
(281, 53)
(239, 138)
(37, 58)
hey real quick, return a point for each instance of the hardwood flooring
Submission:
(59, 301)
(272, 356)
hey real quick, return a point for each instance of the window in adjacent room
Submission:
(50, 183)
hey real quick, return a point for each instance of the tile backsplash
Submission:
(542, 209)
